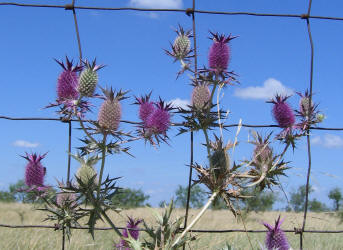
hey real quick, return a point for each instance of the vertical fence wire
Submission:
(191, 133)
(308, 130)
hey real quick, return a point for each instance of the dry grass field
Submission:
(44, 239)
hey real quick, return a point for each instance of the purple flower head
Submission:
(282, 112)
(146, 107)
(219, 54)
(131, 224)
(159, 120)
(68, 81)
(276, 238)
(34, 171)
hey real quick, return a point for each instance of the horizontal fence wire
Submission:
(189, 10)
(172, 124)
(57, 227)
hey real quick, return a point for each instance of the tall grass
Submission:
(42, 239)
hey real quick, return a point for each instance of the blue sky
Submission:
(270, 55)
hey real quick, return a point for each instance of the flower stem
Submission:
(213, 196)
(207, 144)
(103, 156)
(86, 132)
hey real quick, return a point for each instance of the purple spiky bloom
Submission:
(276, 238)
(34, 171)
(282, 112)
(159, 120)
(131, 224)
(219, 53)
(68, 81)
(146, 107)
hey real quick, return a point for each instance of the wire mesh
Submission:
(192, 13)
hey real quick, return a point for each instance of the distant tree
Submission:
(15, 190)
(197, 197)
(297, 200)
(6, 196)
(317, 206)
(336, 195)
(260, 201)
(129, 198)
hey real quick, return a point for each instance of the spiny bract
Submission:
(276, 238)
(282, 112)
(305, 108)
(63, 198)
(262, 152)
(219, 158)
(34, 171)
(68, 81)
(201, 96)
(89, 78)
(110, 112)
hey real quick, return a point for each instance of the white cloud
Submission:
(157, 4)
(328, 141)
(316, 140)
(25, 144)
(180, 103)
(270, 88)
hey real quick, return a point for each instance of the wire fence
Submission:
(191, 12)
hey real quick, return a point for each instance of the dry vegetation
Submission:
(29, 239)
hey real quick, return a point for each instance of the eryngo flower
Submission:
(68, 81)
(146, 107)
(282, 112)
(131, 224)
(219, 53)
(201, 96)
(89, 78)
(110, 111)
(276, 238)
(181, 48)
(34, 170)
(159, 120)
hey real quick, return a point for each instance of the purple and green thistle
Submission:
(181, 48)
(35, 172)
(131, 224)
(276, 238)
(89, 78)
(110, 111)
(68, 81)
(219, 54)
